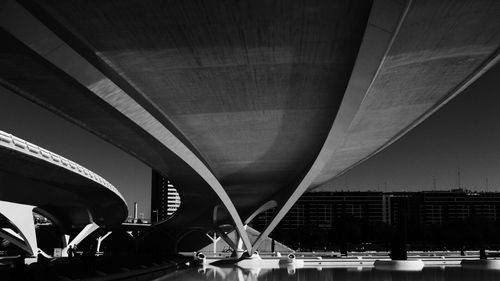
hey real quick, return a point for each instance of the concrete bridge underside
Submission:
(250, 102)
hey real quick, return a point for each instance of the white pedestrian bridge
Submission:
(70, 195)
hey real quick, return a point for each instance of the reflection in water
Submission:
(213, 273)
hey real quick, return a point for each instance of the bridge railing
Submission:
(15, 143)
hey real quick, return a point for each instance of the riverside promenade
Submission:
(353, 259)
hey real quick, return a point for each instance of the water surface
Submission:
(330, 274)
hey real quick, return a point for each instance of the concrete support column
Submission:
(233, 244)
(21, 216)
(86, 231)
(228, 240)
(100, 239)
(236, 242)
(214, 239)
(240, 241)
(264, 207)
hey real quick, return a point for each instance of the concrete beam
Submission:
(383, 25)
(264, 207)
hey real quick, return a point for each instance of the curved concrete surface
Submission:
(67, 191)
(244, 103)
(440, 49)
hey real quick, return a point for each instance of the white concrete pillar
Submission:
(86, 231)
(236, 244)
(215, 239)
(100, 239)
(228, 240)
(21, 216)
(240, 241)
(65, 240)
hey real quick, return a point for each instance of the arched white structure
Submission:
(34, 178)
(21, 216)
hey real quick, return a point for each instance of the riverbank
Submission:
(333, 259)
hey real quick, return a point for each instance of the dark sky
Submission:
(464, 133)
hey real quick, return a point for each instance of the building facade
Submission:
(440, 207)
(322, 209)
(165, 200)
